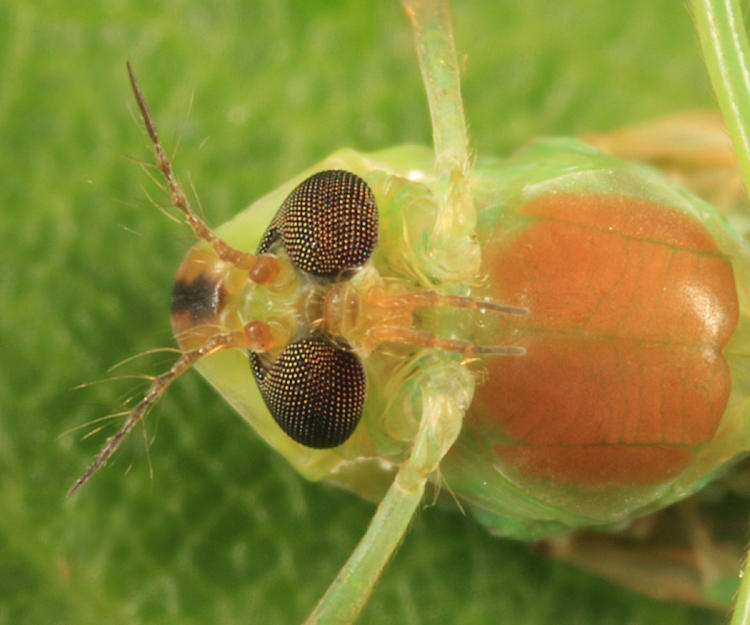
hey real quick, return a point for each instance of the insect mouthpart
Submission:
(372, 315)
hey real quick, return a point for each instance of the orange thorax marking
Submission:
(631, 305)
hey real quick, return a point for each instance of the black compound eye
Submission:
(315, 391)
(328, 224)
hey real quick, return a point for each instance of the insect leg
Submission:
(691, 148)
(720, 26)
(725, 48)
(446, 394)
(455, 252)
(455, 255)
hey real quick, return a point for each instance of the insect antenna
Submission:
(256, 335)
(262, 269)
(148, 352)
(98, 421)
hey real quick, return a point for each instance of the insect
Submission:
(485, 308)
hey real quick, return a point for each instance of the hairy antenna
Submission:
(255, 335)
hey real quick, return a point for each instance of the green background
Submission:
(225, 531)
